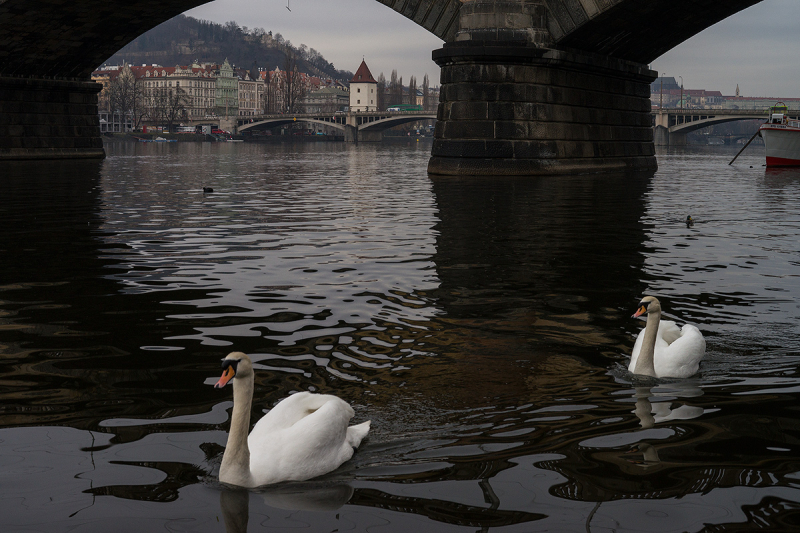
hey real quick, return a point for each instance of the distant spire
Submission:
(737, 89)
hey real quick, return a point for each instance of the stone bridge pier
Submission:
(49, 119)
(661, 134)
(513, 104)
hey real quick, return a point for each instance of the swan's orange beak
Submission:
(642, 310)
(227, 375)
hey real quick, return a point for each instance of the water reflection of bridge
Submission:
(363, 126)
(670, 126)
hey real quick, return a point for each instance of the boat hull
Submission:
(782, 145)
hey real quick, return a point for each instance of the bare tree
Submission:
(293, 89)
(412, 90)
(157, 105)
(168, 105)
(426, 97)
(393, 90)
(399, 91)
(126, 96)
(381, 99)
(270, 94)
(177, 100)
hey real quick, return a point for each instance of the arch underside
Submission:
(385, 124)
(377, 125)
(71, 39)
(54, 38)
(689, 127)
(271, 123)
(635, 30)
(440, 17)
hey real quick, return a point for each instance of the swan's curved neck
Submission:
(645, 363)
(235, 468)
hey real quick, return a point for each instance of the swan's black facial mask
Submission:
(229, 367)
(232, 363)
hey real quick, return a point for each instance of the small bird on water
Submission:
(689, 221)
(208, 189)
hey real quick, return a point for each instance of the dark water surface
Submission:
(482, 325)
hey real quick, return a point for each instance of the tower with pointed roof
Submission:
(363, 90)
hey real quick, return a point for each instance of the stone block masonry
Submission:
(49, 119)
(514, 108)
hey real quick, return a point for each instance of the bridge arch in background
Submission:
(273, 122)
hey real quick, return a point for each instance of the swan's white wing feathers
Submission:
(681, 359)
(294, 408)
(678, 351)
(669, 331)
(317, 442)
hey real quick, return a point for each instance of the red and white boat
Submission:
(781, 136)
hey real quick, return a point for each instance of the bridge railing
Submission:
(739, 112)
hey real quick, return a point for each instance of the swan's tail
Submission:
(355, 434)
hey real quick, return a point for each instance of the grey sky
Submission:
(757, 48)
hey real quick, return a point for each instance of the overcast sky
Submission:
(757, 48)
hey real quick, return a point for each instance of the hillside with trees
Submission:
(182, 40)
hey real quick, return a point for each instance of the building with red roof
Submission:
(363, 90)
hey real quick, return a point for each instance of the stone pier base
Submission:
(517, 109)
(49, 119)
(663, 137)
(354, 135)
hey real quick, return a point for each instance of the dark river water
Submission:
(482, 325)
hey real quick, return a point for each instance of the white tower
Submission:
(363, 90)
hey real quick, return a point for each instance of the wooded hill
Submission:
(182, 40)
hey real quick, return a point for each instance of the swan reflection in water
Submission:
(235, 501)
(656, 412)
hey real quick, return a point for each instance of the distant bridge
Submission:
(355, 126)
(672, 125)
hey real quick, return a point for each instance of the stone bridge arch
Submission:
(634, 30)
(272, 122)
(527, 86)
(70, 39)
(58, 39)
(382, 124)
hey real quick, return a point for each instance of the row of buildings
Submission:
(154, 94)
(666, 93)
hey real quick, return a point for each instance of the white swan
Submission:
(662, 350)
(304, 436)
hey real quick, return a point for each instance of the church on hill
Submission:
(363, 90)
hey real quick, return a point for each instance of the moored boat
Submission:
(781, 136)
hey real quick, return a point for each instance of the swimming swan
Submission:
(304, 436)
(662, 350)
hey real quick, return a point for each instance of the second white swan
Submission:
(304, 436)
(663, 350)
